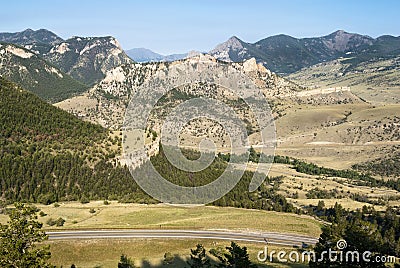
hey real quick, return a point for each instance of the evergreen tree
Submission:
(20, 238)
(360, 236)
(125, 262)
(198, 258)
(235, 257)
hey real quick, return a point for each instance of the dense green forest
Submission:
(26, 118)
(265, 197)
(48, 155)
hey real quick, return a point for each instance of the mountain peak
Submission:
(233, 43)
(29, 36)
(343, 41)
(339, 32)
(232, 50)
(234, 40)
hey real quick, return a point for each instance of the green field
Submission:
(117, 215)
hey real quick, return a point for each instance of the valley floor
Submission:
(138, 216)
(150, 252)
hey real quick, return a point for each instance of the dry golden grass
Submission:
(146, 252)
(149, 252)
(329, 135)
(118, 215)
(295, 182)
(370, 83)
(317, 134)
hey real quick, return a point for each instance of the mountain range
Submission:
(30, 36)
(285, 54)
(56, 69)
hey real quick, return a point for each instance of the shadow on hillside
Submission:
(179, 262)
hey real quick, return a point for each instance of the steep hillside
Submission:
(320, 111)
(22, 66)
(285, 53)
(106, 101)
(25, 116)
(87, 59)
(48, 155)
(39, 41)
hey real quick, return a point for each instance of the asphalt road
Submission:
(272, 238)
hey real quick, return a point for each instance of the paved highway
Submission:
(272, 238)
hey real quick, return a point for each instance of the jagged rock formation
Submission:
(86, 59)
(24, 67)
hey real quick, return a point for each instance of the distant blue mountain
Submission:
(146, 55)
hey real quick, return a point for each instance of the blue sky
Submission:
(173, 26)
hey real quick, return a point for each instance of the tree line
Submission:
(363, 230)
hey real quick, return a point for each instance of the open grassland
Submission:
(338, 136)
(336, 156)
(376, 80)
(116, 215)
(145, 252)
(295, 186)
(307, 123)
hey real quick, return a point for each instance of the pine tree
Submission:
(235, 257)
(198, 258)
(19, 239)
(125, 262)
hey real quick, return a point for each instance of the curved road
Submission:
(272, 238)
